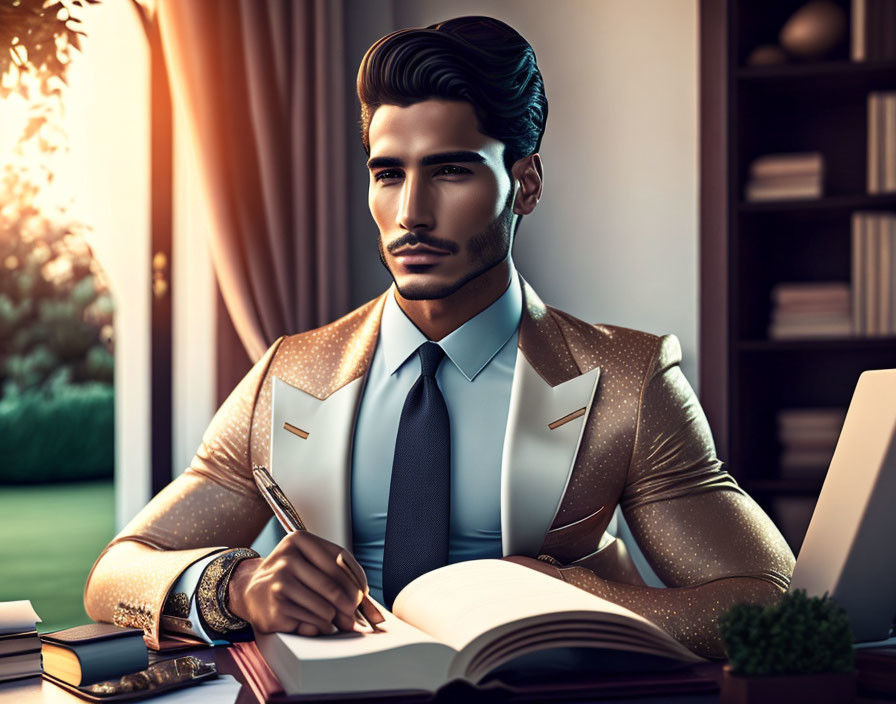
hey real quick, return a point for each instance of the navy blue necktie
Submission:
(419, 494)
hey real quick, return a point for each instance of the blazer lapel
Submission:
(311, 437)
(549, 402)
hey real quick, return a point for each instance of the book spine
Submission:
(873, 139)
(857, 50)
(892, 286)
(871, 276)
(858, 240)
(886, 275)
(889, 141)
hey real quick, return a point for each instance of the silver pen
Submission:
(291, 521)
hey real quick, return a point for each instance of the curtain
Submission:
(261, 82)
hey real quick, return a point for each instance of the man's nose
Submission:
(415, 211)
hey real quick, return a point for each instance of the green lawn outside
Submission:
(50, 535)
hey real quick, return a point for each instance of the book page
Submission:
(17, 617)
(485, 599)
(400, 657)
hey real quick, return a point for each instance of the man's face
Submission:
(440, 196)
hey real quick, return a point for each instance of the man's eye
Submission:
(452, 170)
(387, 175)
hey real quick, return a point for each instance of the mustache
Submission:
(409, 239)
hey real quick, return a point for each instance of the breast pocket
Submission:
(311, 454)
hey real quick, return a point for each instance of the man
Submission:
(454, 417)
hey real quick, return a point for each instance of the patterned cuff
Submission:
(211, 594)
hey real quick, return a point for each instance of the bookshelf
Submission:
(747, 248)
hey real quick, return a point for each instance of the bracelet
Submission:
(211, 594)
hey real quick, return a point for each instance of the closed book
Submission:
(872, 128)
(792, 164)
(93, 653)
(757, 192)
(810, 292)
(857, 281)
(19, 643)
(888, 147)
(885, 302)
(27, 664)
(859, 23)
(870, 286)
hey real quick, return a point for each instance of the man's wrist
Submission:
(236, 589)
(212, 593)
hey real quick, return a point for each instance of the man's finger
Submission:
(297, 592)
(290, 616)
(339, 592)
(320, 554)
(371, 613)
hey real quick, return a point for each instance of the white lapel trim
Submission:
(314, 471)
(537, 461)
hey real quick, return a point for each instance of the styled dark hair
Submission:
(479, 60)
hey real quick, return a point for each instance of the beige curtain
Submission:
(261, 82)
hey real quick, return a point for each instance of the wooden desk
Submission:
(630, 689)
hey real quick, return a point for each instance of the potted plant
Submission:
(797, 650)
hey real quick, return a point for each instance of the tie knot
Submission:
(430, 357)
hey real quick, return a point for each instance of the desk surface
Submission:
(38, 691)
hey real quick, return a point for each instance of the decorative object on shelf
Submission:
(786, 177)
(814, 30)
(767, 55)
(803, 310)
(799, 649)
(874, 274)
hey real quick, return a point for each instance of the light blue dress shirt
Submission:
(475, 377)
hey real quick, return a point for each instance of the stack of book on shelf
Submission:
(808, 437)
(786, 176)
(19, 642)
(873, 30)
(874, 273)
(801, 310)
(882, 141)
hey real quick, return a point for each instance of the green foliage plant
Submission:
(797, 635)
(63, 432)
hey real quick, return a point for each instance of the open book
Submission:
(465, 621)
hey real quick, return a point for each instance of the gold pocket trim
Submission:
(566, 419)
(301, 433)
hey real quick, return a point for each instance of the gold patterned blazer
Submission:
(599, 416)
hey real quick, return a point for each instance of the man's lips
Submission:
(418, 255)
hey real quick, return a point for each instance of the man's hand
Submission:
(300, 588)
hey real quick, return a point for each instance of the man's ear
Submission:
(528, 172)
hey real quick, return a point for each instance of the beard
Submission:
(485, 250)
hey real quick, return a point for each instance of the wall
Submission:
(615, 237)
(107, 118)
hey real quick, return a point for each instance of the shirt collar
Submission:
(470, 347)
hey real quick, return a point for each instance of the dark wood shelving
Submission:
(847, 344)
(817, 69)
(809, 487)
(749, 248)
(826, 204)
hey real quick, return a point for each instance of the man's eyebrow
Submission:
(453, 157)
(379, 162)
(458, 157)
